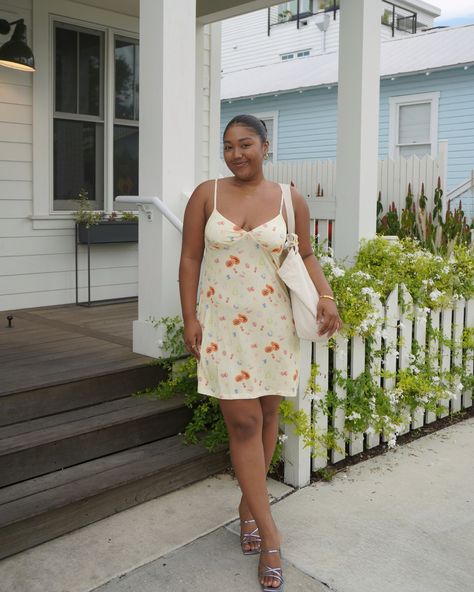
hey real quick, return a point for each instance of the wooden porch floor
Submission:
(57, 344)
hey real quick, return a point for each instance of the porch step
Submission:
(65, 394)
(46, 444)
(45, 507)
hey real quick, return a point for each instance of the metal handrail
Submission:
(140, 201)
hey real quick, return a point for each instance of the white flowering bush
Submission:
(433, 281)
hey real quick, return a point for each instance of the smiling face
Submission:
(244, 151)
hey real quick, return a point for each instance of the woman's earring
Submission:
(265, 156)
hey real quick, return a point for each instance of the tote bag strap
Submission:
(290, 214)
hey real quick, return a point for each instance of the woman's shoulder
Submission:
(204, 187)
(296, 196)
(208, 186)
(202, 193)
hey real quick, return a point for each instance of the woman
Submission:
(243, 334)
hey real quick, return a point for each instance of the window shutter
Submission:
(414, 124)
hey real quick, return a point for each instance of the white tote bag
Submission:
(303, 294)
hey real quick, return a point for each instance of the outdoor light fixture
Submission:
(16, 53)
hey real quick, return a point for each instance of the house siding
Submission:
(307, 121)
(16, 170)
(246, 44)
(37, 265)
(37, 256)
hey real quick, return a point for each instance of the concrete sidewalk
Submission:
(402, 521)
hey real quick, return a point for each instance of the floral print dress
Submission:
(249, 344)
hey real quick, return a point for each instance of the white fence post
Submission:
(406, 325)
(420, 338)
(446, 325)
(297, 457)
(356, 440)
(433, 350)
(373, 439)
(320, 419)
(458, 320)
(390, 337)
(339, 416)
(467, 394)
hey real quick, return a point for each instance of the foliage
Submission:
(85, 215)
(304, 428)
(432, 280)
(206, 425)
(129, 217)
(376, 401)
(436, 232)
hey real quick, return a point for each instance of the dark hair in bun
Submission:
(257, 125)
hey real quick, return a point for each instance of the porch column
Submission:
(357, 124)
(167, 154)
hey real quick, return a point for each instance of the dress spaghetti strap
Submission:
(215, 194)
(282, 197)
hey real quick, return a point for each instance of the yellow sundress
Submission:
(249, 344)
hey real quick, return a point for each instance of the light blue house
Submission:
(426, 95)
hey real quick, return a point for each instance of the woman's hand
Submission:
(327, 315)
(193, 338)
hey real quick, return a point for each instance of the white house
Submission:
(73, 123)
(287, 75)
(295, 30)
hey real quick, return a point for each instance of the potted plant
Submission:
(285, 16)
(93, 227)
(387, 15)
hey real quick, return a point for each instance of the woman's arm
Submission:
(192, 250)
(327, 310)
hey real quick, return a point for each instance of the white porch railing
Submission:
(140, 201)
(464, 192)
(349, 358)
(315, 178)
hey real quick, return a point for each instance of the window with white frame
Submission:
(414, 125)
(271, 122)
(302, 53)
(85, 131)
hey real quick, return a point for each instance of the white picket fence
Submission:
(349, 358)
(317, 178)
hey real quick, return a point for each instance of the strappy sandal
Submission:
(250, 537)
(271, 572)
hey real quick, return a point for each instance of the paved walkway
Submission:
(400, 522)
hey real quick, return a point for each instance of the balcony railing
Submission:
(302, 10)
(394, 16)
(399, 18)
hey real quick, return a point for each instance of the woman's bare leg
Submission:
(270, 424)
(244, 421)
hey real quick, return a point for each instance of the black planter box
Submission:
(118, 231)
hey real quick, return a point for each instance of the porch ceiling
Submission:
(207, 11)
(129, 7)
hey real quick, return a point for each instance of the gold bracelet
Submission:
(328, 297)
